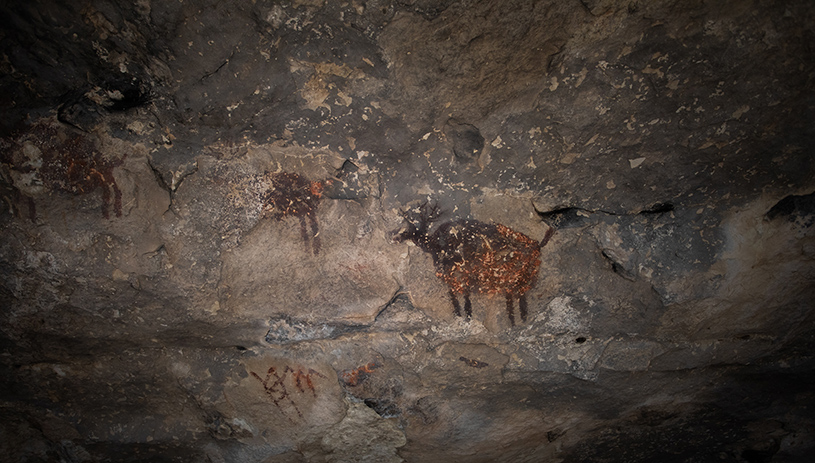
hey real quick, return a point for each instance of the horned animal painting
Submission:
(476, 257)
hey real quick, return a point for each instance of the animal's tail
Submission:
(547, 236)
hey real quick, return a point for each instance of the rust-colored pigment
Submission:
(291, 195)
(51, 157)
(477, 257)
(277, 391)
(357, 375)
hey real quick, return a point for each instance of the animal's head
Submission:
(417, 224)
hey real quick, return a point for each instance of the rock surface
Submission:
(200, 200)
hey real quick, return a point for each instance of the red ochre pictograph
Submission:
(274, 384)
(477, 257)
(291, 195)
(51, 157)
(357, 375)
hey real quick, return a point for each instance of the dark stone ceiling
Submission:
(603, 217)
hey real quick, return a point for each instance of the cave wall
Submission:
(200, 202)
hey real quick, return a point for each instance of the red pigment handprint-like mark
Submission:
(277, 391)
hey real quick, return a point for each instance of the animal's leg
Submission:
(105, 197)
(315, 233)
(522, 306)
(510, 310)
(32, 210)
(468, 307)
(456, 307)
(117, 200)
(304, 232)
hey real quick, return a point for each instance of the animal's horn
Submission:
(547, 236)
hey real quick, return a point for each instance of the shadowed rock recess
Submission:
(313, 231)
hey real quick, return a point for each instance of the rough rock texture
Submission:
(200, 200)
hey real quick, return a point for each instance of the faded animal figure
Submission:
(289, 194)
(472, 256)
(52, 157)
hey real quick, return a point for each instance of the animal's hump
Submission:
(518, 237)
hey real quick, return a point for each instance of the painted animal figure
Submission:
(50, 156)
(477, 257)
(289, 194)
